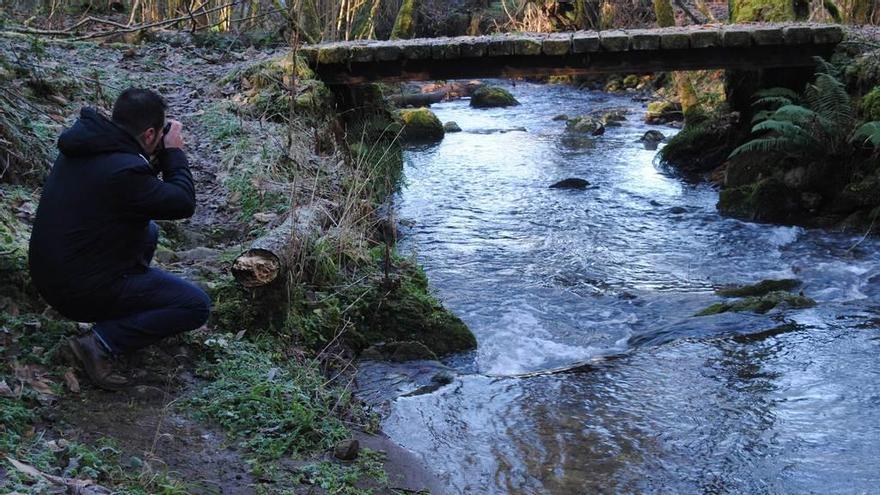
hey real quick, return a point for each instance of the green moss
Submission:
(404, 310)
(420, 124)
(761, 304)
(631, 81)
(761, 10)
(870, 106)
(759, 289)
(236, 308)
(492, 96)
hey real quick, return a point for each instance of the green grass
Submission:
(273, 407)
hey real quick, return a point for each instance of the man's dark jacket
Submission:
(93, 219)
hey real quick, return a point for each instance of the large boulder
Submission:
(491, 97)
(420, 124)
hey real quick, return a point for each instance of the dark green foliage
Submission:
(819, 128)
(870, 106)
(15, 419)
(759, 289)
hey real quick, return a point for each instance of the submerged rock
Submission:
(451, 126)
(491, 97)
(560, 117)
(420, 124)
(571, 183)
(759, 289)
(761, 304)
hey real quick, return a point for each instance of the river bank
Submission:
(259, 400)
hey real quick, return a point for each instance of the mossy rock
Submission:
(631, 81)
(871, 105)
(759, 289)
(747, 169)
(271, 72)
(399, 352)
(858, 195)
(586, 124)
(663, 111)
(420, 124)
(761, 304)
(703, 145)
(407, 312)
(768, 200)
(491, 97)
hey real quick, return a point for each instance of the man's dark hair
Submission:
(138, 109)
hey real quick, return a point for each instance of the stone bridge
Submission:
(747, 47)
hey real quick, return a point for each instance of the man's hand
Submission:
(174, 138)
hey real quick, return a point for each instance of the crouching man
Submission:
(94, 237)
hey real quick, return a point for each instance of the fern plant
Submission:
(818, 124)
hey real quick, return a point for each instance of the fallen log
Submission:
(273, 254)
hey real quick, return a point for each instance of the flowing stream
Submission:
(786, 402)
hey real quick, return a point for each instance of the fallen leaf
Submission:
(35, 377)
(5, 391)
(71, 381)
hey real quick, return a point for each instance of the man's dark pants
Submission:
(142, 308)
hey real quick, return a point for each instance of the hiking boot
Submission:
(97, 362)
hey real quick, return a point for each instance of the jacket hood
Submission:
(94, 134)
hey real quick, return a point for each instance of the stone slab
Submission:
(705, 38)
(827, 35)
(527, 46)
(675, 40)
(585, 42)
(764, 36)
(557, 44)
(797, 35)
(614, 41)
(645, 39)
(736, 37)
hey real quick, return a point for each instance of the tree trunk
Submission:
(666, 18)
(405, 24)
(272, 255)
